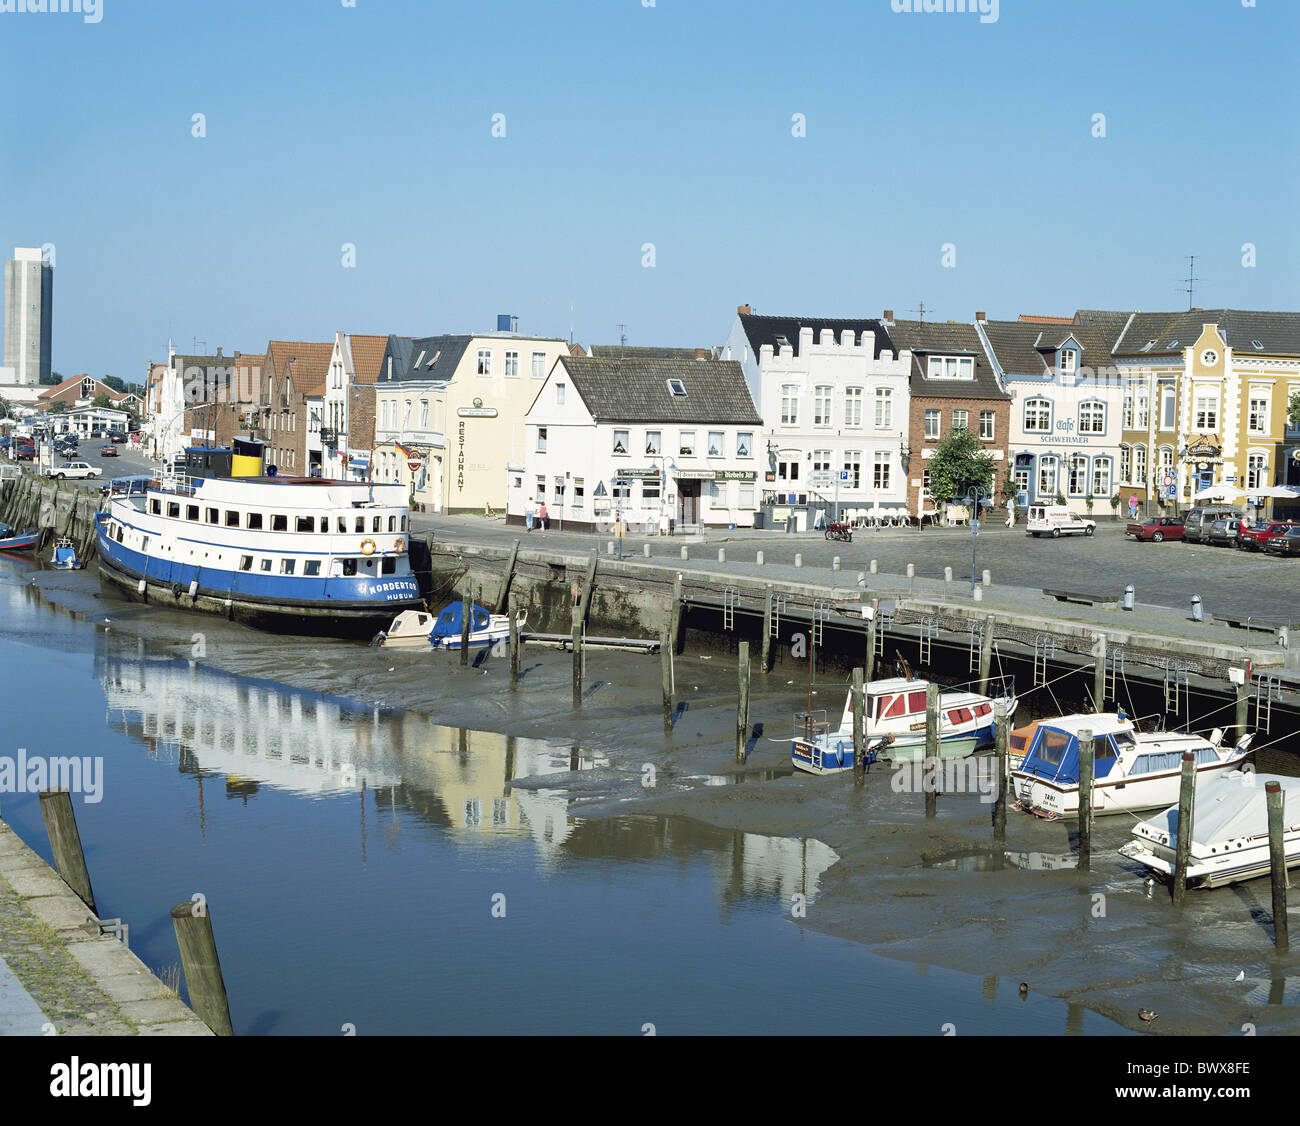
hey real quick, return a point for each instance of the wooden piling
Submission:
(466, 615)
(859, 731)
(675, 614)
(1186, 821)
(202, 967)
(1099, 675)
(514, 640)
(869, 665)
(65, 843)
(742, 704)
(504, 594)
(1276, 800)
(577, 659)
(1243, 705)
(666, 676)
(986, 655)
(766, 661)
(932, 763)
(588, 586)
(1087, 758)
(1000, 725)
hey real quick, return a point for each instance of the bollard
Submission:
(931, 776)
(1198, 611)
(874, 567)
(986, 654)
(911, 570)
(722, 555)
(684, 552)
(759, 560)
(1099, 674)
(978, 594)
(1283, 637)
(1276, 800)
(609, 548)
(645, 550)
(65, 844)
(666, 677)
(742, 703)
(1186, 819)
(987, 578)
(766, 662)
(835, 563)
(859, 731)
(1087, 757)
(1000, 726)
(202, 967)
(514, 641)
(947, 574)
(798, 560)
(1128, 601)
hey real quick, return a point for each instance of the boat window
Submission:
(144, 543)
(119, 533)
(214, 516)
(156, 506)
(891, 707)
(915, 702)
(279, 522)
(232, 518)
(389, 566)
(1124, 740)
(254, 520)
(392, 523)
(377, 524)
(983, 709)
(245, 562)
(403, 523)
(325, 524)
(266, 564)
(311, 567)
(287, 566)
(360, 524)
(349, 566)
(191, 512)
(306, 524)
(342, 523)
(960, 715)
(173, 510)
(1051, 747)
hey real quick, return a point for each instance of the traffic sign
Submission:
(844, 474)
(413, 462)
(1169, 480)
(821, 479)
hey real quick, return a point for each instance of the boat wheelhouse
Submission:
(1229, 832)
(302, 554)
(1131, 769)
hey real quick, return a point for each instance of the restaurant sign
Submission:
(477, 412)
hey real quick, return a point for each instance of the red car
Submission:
(1257, 537)
(1157, 529)
(108, 451)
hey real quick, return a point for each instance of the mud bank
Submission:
(925, 891)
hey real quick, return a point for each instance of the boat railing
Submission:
(810, 724)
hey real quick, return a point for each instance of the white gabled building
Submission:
(834, 399)
(656, 442)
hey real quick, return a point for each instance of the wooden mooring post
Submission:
(1086, 763)
(1186, 825)
(466, 616)
(588, 585)
(930, 774)
(1243, 704)
(675, 615)
(742, 703)
(666, 676)
(869, 664)
(577, 657)
(766, 664)
(504, 594)
(1000, 725)
(859, 731)
(202, 967)
(1099, 673)
(65, 843)
(986, 655)
(514, 640)
(1276, 800)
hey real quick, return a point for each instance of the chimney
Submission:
(743, 310)
(889, 315)
(218, 353)
(981, 317)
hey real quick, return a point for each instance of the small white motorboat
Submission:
(413, 629)
(65, 556)
(1229, 831)
(1133, 769)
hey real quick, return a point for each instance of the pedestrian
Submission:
(543, 519)
(1011, 512)
(528, 515)
(1132, 506)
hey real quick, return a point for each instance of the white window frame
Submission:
(991, 418)
(934, 415)
(884, 408)
(789, 404)
(623, 441)
(1092, 416)
(539, 365)
(881, 470)
(822, 404)
(484, 361)
(512, 365)
(853, 408)
(1040, 411)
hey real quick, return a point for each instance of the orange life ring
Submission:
(367, 547)
(399, 545)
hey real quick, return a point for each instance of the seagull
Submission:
(1241, 976)
(1147, 1015)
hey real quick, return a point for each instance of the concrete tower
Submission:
(29, 316)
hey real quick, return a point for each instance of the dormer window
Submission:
(420, 359)
(950, 367)
(434, 360)
(1068, 361)
(676, 387)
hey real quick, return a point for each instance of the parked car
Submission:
(1197, 522)
(25, 453)
(1055, 521)
(1255, 537)
(1156, 529)
(1286, 544)
(1222, 533)
(118, 437)
(137, 485)
(108, 451)
(77, 470)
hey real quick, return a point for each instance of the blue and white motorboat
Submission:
(65, 556)
(1132, 770)
(818, 751)
(417, 628)
(11, 540)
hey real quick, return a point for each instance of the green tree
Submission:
(100, 401)
(58, 407)
(51, 380)
(4, 407)
(1293, 410)
(116, 382)
(959, 463)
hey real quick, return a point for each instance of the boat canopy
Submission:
(1054, 754)
(1230, 807)
(450, 619)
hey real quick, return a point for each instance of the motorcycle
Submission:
(838, 531)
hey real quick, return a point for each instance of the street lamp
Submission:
(973, 498)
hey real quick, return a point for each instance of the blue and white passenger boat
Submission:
(1133, 769)
(301, 554)
(417, 628)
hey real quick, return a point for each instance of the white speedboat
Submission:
(1229, 831)
(417, 628)
(1133, 770)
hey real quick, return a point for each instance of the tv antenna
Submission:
(920, 310)
(1190, 281)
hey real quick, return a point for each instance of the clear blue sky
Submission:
(626, 125)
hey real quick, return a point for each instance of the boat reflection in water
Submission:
(454, 780)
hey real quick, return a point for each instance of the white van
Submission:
(1056, 521)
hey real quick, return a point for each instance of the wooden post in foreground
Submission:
(1086, 763)
(742, 704)
(503, 596)
(869, 665)
(1099, 675)
(1243, 706)
(859, 731)
(932, 765)
(666, 675)
(202, 967)
(1186, 819)
(65, 843)
(1000, 724)
(466, 616)
(675, 615)
(1277, 862)
(577, 658)
(514, 640)
(986, 655)
(767, 631)
(589, 584)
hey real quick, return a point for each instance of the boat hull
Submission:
(1120, 795)
(1235, 868)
